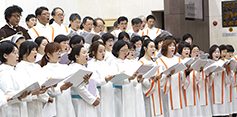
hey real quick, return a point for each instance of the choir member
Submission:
(122, 25)
(136, 27)
(188, 38)
(31, 21)
(41, 41)
(75, 22)
(108, 40)
(99, 26)
(124, 36)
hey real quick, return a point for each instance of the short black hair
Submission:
(194, 47)
(39, 10)
(122, 18)
(29, 17)
(53, 12)
(116, 24)
(230, 48)
(170, 37)
(131, 45)
(96, 38)
(150, 17)
(61, 38)
(136, 21)
(182, 45)
(12, 9)
(177, 40)
(6, 48)
(122, 35)
(76, 39)
(25, 48)
(74, 16)
(222, 47)
(39, 40)
(107, 36)
(157, 41)
(84, 21)
(211, 50)
(187, 35)
(136, 39)
(117, 46)
(95, 21)
(75, 51)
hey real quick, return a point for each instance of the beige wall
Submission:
(217, 31)
(106, 9)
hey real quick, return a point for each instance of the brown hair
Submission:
(49, 48)
(165, 45)
(94, 47)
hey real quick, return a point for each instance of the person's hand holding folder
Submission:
(133, 76)
(108, 78)
(65, 86)
(24, 95)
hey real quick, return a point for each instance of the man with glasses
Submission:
(57, 26)
(13, 17)
(122, 25)
(99, 26)
(136, 27)
(42, 28)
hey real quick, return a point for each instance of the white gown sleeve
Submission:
(3, 100)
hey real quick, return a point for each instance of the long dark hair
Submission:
(145, 44)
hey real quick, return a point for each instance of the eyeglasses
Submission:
(110, 41)
(61, 15)
(45, 13)
(196, 51)
(16, 16)
(89, 25)
(125, 50)
(123, 24)
(58, 52)
(101, 27)
(77, 22)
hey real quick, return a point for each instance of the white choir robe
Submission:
(72, 30)
(218, 93)
(3, 103)
(82, 99)
(203, 94)
(100, 71)
(156, 102)
(33, 73)
(41, 30)
(11, 83)
(116, 33)
(117, 66)
(62, 102)
(59, 29)
(152, 33)
(38, 58)
(192, 104)
(130, 32)
(109, 57)
(234, 89)
(172, 87)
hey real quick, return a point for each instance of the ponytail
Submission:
(44, 60)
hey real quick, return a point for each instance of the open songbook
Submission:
(147, 70)
(201, 63)
(189, 61)
(232, 64)
(87, 36)
(178, 67)
(29, 89)
(51, 82)
(213, 69)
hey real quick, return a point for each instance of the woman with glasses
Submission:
(119, 65)
(62, 106)
(84, 102)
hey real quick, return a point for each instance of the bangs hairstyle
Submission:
(94, 48)
(212, 50)
(117, 46)
(61, 38)
(39, 40)
(182, 45)
(96, 38)
(122, 35)
(26, 48)
(75, 51)
(50, 48)
(145, 44)
(76, 39)
(166, 43)
(107, 36)
(131, 46)
(136, 39)
(222, 47)
(186, 36)
(6, 48)
(230, 48)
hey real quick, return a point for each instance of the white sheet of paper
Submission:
(77, 78)
(119, 77)
(151, 72)
(213, 69)
(144, 69)
(52, 81)
(177, 67)
(30, 88)
(201, 63)
(188, 61)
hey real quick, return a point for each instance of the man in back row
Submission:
(122, 25)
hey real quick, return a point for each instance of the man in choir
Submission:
(136, 26)
(99, 25)
(42, 28)
(143, 18)
(122, 24)
(151, 31)
(87, 24)
(58, 27)
(13, 17)
(116, 28)
(31, 21)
